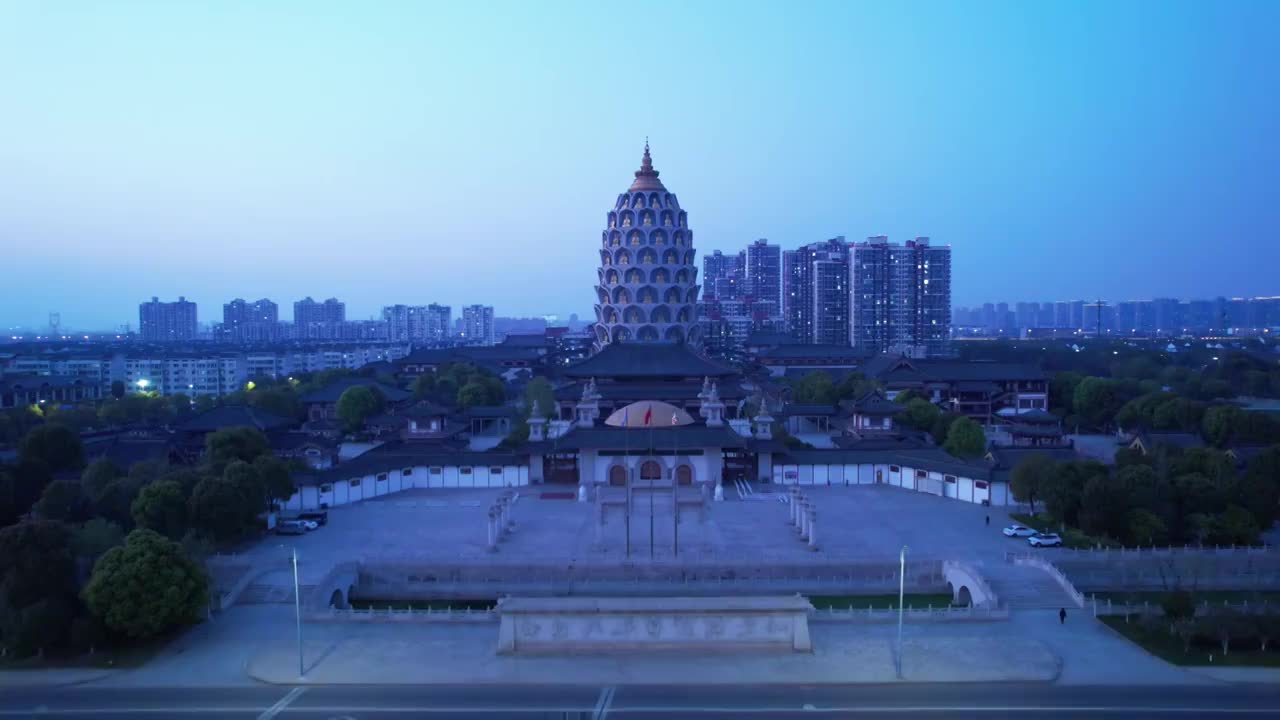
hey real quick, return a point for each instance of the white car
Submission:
(308, 524)
(1017, 530)
(1044, 540)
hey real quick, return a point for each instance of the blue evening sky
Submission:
(467, 152)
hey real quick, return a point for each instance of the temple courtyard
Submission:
(854, 523)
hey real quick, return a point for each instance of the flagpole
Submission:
(675, 493)
(626, 467)
(648, 416)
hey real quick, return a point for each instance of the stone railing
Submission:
(409, 614)
(968, 613)
(1076, 596)
(1110, 607)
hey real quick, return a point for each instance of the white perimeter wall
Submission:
(905, 476)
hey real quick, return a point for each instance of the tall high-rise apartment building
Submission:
(257, 321)
(900, 296)
(167, 321)
(722, 275)
(802, 296)
(418, 323)
(762, 277)
(307, 311)
(477, 324)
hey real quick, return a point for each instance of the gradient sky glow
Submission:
(467, 152)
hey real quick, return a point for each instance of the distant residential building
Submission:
(722, 275)
(167, 321)
(762, 279)
(477, 325)
(802, 296)
(900, 297)
(307, 311)
(257, 321)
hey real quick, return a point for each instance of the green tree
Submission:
(115, 502)
(56, 446)
(62, 500)
(1063, 489)
(31, 476)
(1234, 526)
(1260, 486)
(965, 439)
(9, 510)
(1028, 477)
(1221, 423)
(1062, 390)
(275, 477)
(357, 404)
(179, 405)
(235, 443)
(853, 386)
(246, 478)
(219, 510)
(1104, 507)
(95, 537)
(117, 389)
(942, 426)
(98, 475)
(815, 387)
(146, 587)
(162, 507)
(145, 472)
(1146, 528)
(37, 585)
(540, 391)
(472, 394)
(919, 414)
(1096, 401)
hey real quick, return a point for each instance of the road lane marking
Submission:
(856, 710)
(284, 702)
(602, 704)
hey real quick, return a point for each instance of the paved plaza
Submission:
(871, 522)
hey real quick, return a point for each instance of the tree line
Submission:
(115, 555)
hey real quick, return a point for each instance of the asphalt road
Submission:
(634, 702)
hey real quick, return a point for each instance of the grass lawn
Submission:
(456, 604)
(123, 657)
(1209, 596)
(1169, 648)
(861, 602)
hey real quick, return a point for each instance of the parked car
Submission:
(1016, 530)
(319, 516)
(309, 525)
(290, 527)
(1044, 540)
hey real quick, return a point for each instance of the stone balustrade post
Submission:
(493, 534)
(813, 529)
(804, 520)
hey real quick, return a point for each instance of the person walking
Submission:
(988, 521)
(1062, 616)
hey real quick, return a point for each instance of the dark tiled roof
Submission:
(124, 452)
(933, 459)
(799, 409)
(1038, 430)
(331, 392)
(425, 409)
(529, 340)
(895, 368)
(289, 441)
(759, 338)
(226, 416)
(874, 403)
(1036, 416)
(651, 360)
(603, 437)
(398, 455)
(826, 352)
(490, 411)
(639, 390)
(29, 382)
(1006, 458)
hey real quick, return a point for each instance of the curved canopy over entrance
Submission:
(649, 413)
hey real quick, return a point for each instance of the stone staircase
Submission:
(264, 593)
(1023, 587)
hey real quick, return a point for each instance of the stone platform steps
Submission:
(265, 594)
(1022, 587)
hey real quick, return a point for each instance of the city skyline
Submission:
(318, 155)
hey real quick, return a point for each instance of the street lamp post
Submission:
(902, 579)
(297, 610)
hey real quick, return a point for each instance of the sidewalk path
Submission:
(397, 653)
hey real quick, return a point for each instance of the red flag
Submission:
(648, 415)
(675, 418)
